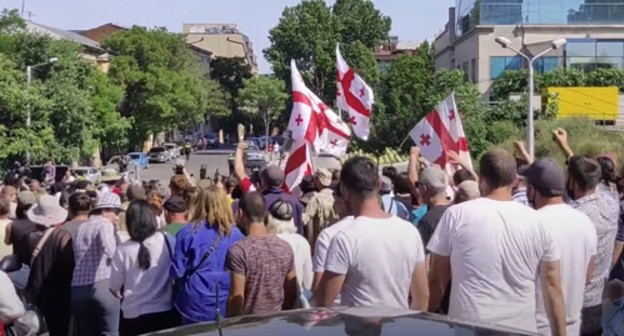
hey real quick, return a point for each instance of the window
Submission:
(499, 64)
(591, 54)
(465, 70)
(546, 64)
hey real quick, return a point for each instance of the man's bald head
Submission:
(497, 168)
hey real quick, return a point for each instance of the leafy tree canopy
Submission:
(164, 85)
(265, 96)
(309, 32)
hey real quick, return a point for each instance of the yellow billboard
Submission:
(598, 103)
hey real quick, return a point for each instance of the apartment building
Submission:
(222, 40)
(594, 30)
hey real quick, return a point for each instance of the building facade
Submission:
(392, 49)
(594, 30)
(222, 40)
(92, 50)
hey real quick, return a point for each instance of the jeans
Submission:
(95, 310)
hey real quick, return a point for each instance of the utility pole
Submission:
(23, 7)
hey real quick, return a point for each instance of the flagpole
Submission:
(312, 158)
(403, 142)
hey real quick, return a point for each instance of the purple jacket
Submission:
(274, 194)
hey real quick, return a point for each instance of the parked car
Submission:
(140, 159)
(120, 165)
(173, 149)
(37, 172)
(90, 174)
(212, 140)
(279, 139)
(252, 152)
(159, 154)
(343, 321)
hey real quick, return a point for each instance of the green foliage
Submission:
(164, 85)
(606, 77)
(560, 77)
(309, 32)
(265, 96)
(584, 136)
(510, 81)
(230, 73)
(360, 21)
(72, 105)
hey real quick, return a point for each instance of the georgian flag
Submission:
(439, 132)
(354, 96)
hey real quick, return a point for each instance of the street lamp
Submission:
(29, 69)
(556, 44)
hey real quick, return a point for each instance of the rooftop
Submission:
(64, 34)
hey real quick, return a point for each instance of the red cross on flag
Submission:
(441, 131)
(354, 96)
(302, 121)
(333, 132)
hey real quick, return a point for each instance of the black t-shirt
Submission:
(429, 222)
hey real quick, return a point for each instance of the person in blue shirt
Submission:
(198, 265)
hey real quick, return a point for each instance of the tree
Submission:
(230, 74)
(65, 100)
(265, 95)
(360, 21)
(164, 85)
(309, 32)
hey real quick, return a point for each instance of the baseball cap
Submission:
(545, 175)
(282, 210)
(433, 178)
(176, 204)
(324, 176)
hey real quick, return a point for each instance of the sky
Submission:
(412, 20)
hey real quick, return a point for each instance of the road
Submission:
(217, 159)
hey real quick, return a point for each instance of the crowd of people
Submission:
(525, 244)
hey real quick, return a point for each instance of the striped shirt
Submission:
(520, 196)
(94, 247)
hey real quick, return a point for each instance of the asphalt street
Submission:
(217, 159)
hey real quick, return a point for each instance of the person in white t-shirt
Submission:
(496, 248)
(326, 236)
(140, 274)
(378, 260)
(573, 233)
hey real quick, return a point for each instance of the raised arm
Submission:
(413, 165)
(455, 159)
(561, 137)
(239, 166)
(521, 149)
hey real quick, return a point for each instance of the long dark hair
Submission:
(141, 221)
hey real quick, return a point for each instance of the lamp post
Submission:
(505, 43)
(29, 69)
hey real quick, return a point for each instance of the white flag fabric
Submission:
(452, 121)
(427, 139)
(334, 133)
(298, 165)
(354, 96)
(441, 131)
(302, 123)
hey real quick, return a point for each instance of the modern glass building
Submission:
(537, 12)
